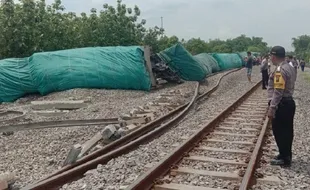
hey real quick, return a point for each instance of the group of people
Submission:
(265, 64)
(280, 87)
(296, 63)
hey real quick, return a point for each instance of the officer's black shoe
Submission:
(278, 157)
(278, 161)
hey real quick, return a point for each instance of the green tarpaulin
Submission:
(96, 67)
(15, 79)
(183, 63)
(209, 62)
(228, 60)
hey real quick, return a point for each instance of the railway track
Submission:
(123, 145)
(60, 123)
(223, 154)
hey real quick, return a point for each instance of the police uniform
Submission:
(264, 71)
(282, 107)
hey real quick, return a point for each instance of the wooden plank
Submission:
(251, 124)
(73, 154)
(150, 115)
(138, 121)
(147, 55)
(255, 103)
(4, 185)
(229, 142)
(208, 159)
(174, 186)
(229, 123)
(243, 115)
(61, 105)
(237, 128)
(223, 175)
(6, 179)
(249, 111)
(90, 144)
(232, 119)
(233, 134)
(254, 106)
(252, 109)
(51, 113)
(204, 148)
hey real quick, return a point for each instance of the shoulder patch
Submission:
(279, 82)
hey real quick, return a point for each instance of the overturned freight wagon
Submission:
(184, 64)
(15, 79)
(228, 60)
(93, 67)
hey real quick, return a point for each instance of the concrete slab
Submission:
(61, 105)
(51, 113)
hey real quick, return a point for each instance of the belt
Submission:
(287, 98)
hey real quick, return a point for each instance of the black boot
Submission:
(282, 161)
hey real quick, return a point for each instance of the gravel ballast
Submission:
(33, 154)
(125, 169)
(103, 103)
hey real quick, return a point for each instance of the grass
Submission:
(306, 76)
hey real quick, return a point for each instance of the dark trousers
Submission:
(265, 78)
(302, 68)
(282, 126)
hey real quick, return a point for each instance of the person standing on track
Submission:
(282, 105)
(264, 71)
(302, 65)
(249, 66)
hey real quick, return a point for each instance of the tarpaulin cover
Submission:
(183, 63)
(243, 55)
(209, 62)
(228, 60)
(95, 67)
(15, 79)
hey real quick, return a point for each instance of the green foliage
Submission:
(30, 26)
(302, 47)
(238, 44)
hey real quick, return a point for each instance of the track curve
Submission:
(123, 145)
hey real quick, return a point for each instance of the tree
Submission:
(301, 45)
(31, 26)
(166, 42)
(196, 46)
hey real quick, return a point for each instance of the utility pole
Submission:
(162, 25)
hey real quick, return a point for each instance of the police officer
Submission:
(264, 71)
(281, 105)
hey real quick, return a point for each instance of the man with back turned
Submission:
(281, 105)
(264, 71)
(249, 65)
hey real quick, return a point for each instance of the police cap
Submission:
(278, 51)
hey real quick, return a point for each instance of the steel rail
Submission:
(146, 181)
(19, 114)
(59, 123)
(135, 134)
(121, 146)
(80, 169)
(248, 176)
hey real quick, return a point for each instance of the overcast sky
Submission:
(277, 21)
